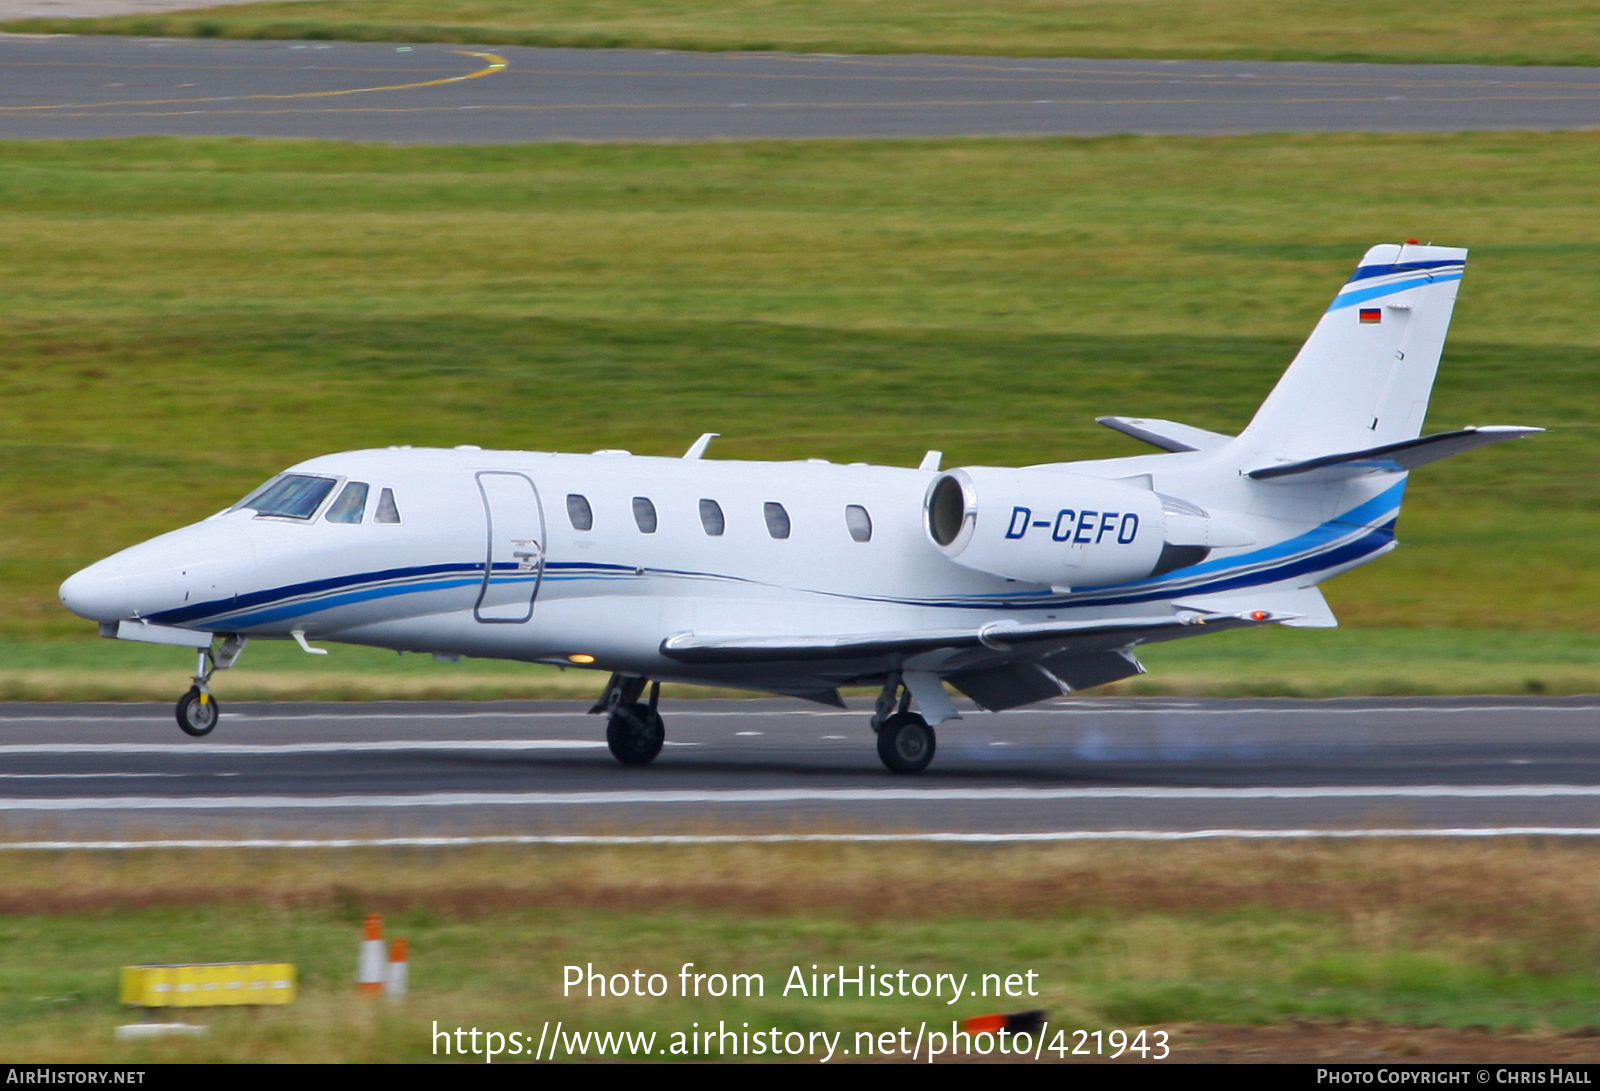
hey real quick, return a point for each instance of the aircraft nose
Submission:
(99, 592)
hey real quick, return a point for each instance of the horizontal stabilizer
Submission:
(1168, 435)
(1394, 458)
(1040, 637)
(1300, 608)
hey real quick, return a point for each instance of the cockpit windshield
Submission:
(291, 496)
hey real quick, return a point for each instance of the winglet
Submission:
(697, 449)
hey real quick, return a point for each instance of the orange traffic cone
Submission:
(370, 969)
(1017, 1022)
(394, 986)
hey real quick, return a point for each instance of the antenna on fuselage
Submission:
(697, 449)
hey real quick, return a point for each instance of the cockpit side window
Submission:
(387, 511)
(350, 506)
(288, 496)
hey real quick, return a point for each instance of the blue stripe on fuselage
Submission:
(1222, 574)
(283, 613)
(185, 614)
(1359, 516)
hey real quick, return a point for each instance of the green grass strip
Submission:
(1463, 935)
(1416, 31)
(184, 318)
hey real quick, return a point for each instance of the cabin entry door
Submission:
(514, 527)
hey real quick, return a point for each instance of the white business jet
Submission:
(797, 578)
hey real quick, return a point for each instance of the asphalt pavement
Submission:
(69, 86)
(736, 767)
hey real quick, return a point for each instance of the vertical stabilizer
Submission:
(1363, 377)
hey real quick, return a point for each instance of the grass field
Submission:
(1499, 936)
(1481, 31)
(181, 319)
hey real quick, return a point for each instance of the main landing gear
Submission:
(905, 741)
(635, 732)
(197, 710)
(634, 729)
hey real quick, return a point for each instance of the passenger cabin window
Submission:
(859, 522)
(644, 513)
(711, 518)
(579, 511)
(351, 505)
(288, 496)
(777, 519)
(387, 511)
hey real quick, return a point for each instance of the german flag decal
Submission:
(1371, 314)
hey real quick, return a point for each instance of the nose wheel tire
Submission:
(635, 734)
(906, 743)
(197, 712)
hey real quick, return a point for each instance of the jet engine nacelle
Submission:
(1040, 526)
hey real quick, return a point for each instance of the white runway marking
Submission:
(788, 795)
(1046, 837)
(97, 776)
(241, 749)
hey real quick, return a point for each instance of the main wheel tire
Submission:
(906, 743)
(197, 718)
(635, 734)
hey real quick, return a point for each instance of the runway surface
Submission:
(97, 87)
(741, 768)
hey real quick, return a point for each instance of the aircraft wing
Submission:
(1168, 435)
(1299, 608)
(1037, 638)
(1394, 457)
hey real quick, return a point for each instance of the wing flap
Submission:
(1010, 685)
(1096, 669)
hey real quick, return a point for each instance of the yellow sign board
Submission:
(208, 984)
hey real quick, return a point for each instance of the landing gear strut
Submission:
(197, 710)
(905, 741)
(634, 729)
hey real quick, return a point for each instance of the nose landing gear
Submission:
(635, 731)
(197, 711)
